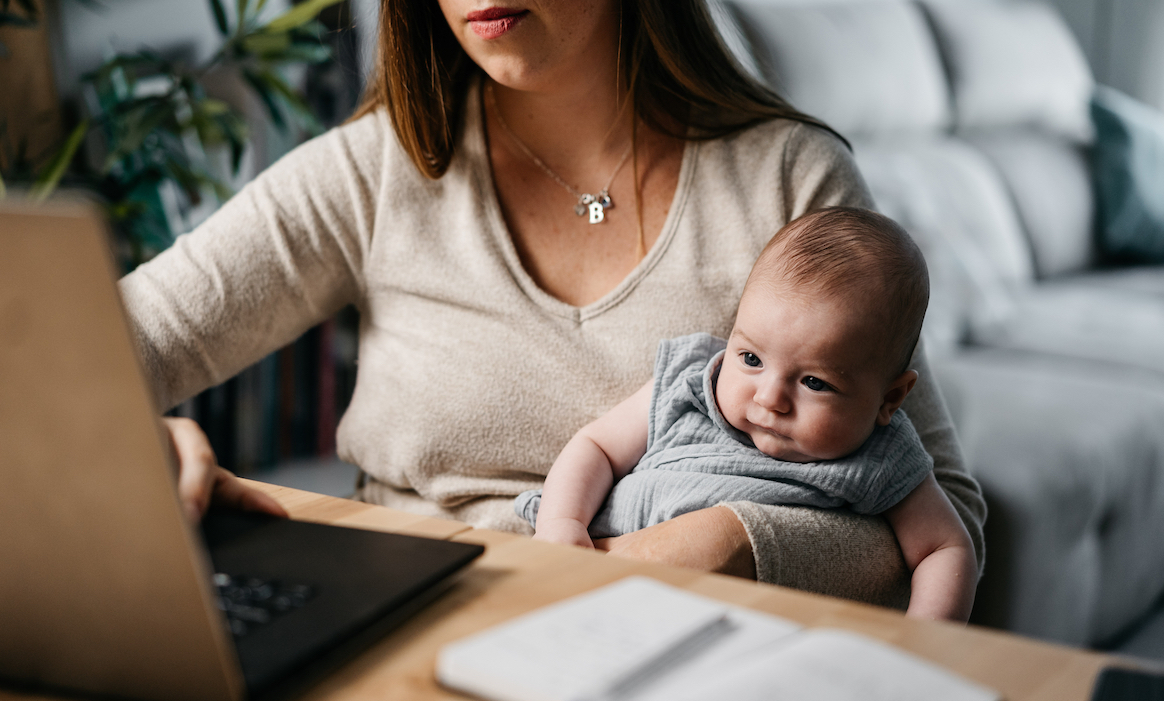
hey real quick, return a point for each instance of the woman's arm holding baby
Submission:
(938, 550)
(599, 455)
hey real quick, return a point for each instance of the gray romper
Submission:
(695, 459)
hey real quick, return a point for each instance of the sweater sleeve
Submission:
(282, 255)
(838, 552)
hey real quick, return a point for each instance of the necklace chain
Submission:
(596, 205)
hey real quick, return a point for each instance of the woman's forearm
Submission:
(827, 551)
(712, 540)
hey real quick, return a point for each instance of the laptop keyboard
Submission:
(251, 602)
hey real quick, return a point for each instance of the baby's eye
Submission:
(815, 384)
(751, 360)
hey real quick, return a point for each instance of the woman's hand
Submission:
(201, 480)
(712, 540)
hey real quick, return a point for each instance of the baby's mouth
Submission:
(772, 432)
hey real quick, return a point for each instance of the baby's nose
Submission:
(773, 396)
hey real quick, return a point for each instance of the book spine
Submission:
(286, 447)
(326, 403)
(269, 410)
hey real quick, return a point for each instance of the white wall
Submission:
(1124, 41)
(83, 36)
(366, 18)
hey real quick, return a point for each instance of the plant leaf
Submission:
(221, 190)
(299, 15)
(212, 107)
(266, 44)
(235, 130)
(47, 181)
(3, 192)
(140, 126)
(241, 7)
(145, 62)
(268, 99)
(220, 17)
(293, 99)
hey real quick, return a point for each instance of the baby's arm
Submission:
(599, 455)
(938, 551)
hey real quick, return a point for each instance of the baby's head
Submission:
(824, 333)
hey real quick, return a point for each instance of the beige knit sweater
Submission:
(471, 378)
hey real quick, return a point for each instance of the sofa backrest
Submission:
(967, 118)
(873, 66)
(1013, 64)
(866, 68)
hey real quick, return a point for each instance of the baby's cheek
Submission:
(730, 405)
(823, 436)
(845, 437)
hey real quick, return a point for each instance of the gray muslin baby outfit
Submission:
(695, 459)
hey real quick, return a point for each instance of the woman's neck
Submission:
(578, 129)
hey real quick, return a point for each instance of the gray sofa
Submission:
(969, 120)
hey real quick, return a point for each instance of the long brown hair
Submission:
(682, 79)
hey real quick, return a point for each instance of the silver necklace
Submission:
(595, 205)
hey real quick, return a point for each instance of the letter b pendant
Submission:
(596, 213)
(595, 206)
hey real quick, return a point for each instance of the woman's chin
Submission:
(513, 70)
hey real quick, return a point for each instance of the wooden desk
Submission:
(516, 575)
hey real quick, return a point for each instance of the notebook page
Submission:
(753, 634)
(580, 648)
(834, 665)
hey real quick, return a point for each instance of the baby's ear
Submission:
(894, 395)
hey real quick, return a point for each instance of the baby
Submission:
(800, 405)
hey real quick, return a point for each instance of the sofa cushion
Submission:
(1050, 181)
(1086, 318)
(1129, 174)
(862, 68)
(951, 200)
(1146, 280)
(1070, 457)
(1146, 639)
(1011, 64)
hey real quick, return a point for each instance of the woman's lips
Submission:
(492, 22)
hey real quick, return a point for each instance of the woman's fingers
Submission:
(201, 480)
(231, 491)
(712, 540)
(197, 466)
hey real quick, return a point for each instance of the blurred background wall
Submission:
(1124, 42)
(85, 33)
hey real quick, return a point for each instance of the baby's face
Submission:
(803, 375)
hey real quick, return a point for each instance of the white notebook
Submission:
(641, 640)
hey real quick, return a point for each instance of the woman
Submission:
(534, 194)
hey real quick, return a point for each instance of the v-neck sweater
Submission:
(471, 378)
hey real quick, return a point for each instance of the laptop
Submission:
(105, 588)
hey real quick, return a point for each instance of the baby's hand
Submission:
(567, 531)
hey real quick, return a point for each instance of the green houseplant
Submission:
(154, 123)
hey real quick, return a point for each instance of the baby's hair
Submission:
(859, 254)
